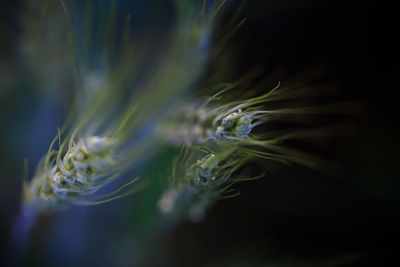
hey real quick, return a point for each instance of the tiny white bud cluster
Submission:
(203, 172)
(236, 124)
(203, 182)
(75, 175)
(192, 126)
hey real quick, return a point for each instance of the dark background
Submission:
(293, 216)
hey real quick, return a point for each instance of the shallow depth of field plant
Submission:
(132, 91)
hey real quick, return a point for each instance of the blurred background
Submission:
(292, 217)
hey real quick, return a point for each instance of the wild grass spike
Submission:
(84, 169)
(114, 110)
(220, 140)
(117, 88)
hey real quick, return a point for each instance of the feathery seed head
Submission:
(199, 180)
(203, 171)
(236, 124)
(77, 175)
